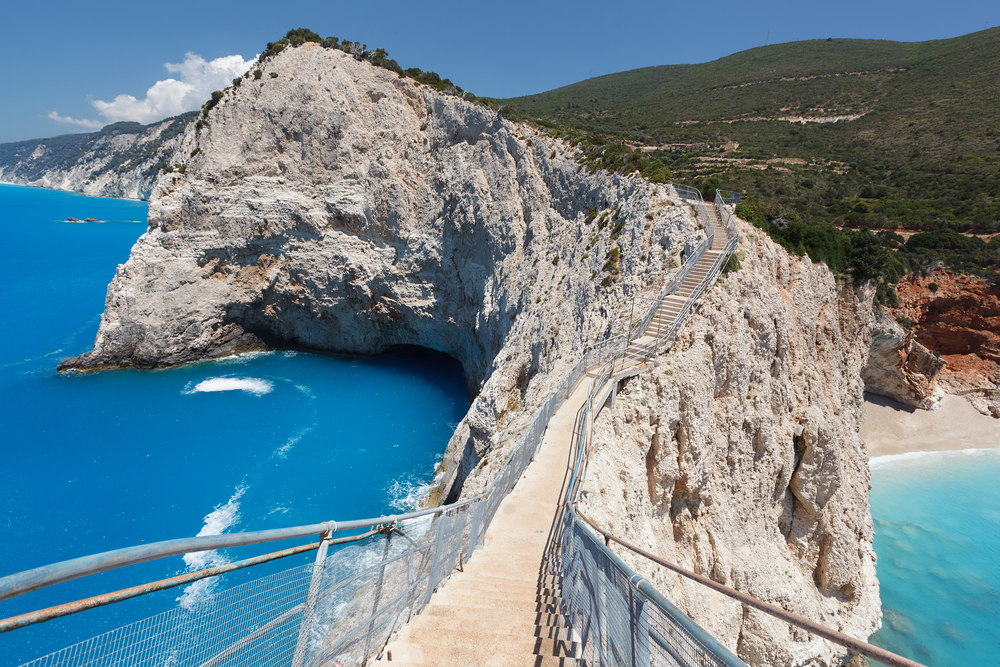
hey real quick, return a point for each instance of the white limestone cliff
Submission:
(336, 206)
(738, 457)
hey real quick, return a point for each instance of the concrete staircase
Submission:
(641, 348)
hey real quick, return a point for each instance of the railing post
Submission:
(378, 596)
(432, 576)
(307, 612)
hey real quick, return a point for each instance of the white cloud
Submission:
(169, 97)
(67, 120)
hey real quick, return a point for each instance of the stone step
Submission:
(532, 660)
(454, 656)
(545, 619)
(449, 594)
(469, 639)
(463, 599)
(551, 581)
(495, 625)
(505, 587)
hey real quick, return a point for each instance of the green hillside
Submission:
(922, 154)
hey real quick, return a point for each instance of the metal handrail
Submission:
(582, 464)
(711, 643)
(864, 648)
(49, 575)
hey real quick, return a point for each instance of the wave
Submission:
(407, 494)
(881, 462)
(217, 521)
(282, 452)
(255, 386)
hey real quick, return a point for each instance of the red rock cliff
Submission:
(960, 319)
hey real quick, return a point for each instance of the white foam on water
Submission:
(880, 462)
(217, 521)
(282, 452)
(255, 386)
(405, 495)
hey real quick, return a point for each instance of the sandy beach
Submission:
(893, 428)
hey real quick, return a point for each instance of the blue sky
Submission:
(64, 58)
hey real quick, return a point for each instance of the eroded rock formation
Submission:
(899, 367)
(739, 458)
(337, 206)
(960, 320)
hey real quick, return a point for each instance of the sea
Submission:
(937, 537)
(91, 462)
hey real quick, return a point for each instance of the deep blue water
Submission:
(99, 461)
(937, 536)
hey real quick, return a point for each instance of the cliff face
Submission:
(899, 367)
(336, 206)
(738, 457)
(123, 160)
(960, 320)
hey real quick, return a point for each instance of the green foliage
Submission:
(300, 36)
(274, 75)
(752, 211)
(211, 103)
(933, 287)
(905, 322)
(922, 155)
(709, 186)
(945, 239)
(657, 172)
(257, 73)
(731, 264)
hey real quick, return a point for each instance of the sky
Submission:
(74, 66)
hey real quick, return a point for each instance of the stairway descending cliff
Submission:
(504, 607)
(639, 349)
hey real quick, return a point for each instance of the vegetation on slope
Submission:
(921, 154)
(67, 151)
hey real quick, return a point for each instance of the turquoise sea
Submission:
(99, 461)
(937, 536)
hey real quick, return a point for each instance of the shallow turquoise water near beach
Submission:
(99, 461)
(937, 536)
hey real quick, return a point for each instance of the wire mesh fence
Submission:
(619, 619)
(343, 608)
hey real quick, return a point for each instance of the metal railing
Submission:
(855, 645)
(619, 616)
(360, 588)
(342, 608)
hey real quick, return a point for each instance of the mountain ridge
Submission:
(121, 160)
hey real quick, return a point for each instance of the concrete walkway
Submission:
(504, 609)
